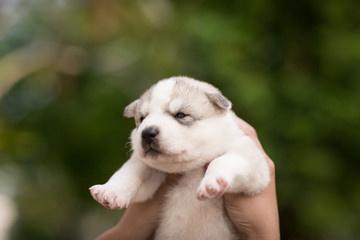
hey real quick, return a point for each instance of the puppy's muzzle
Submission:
(148, 136)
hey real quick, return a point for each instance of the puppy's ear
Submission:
(130, 109)
(219, 101)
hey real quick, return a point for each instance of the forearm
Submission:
(141, 219)
(136, 223)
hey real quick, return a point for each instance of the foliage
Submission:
(68, 69)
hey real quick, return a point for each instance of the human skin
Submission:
(255, 217)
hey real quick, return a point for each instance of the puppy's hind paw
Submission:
(211, 188)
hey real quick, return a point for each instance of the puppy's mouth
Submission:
(152, 149)
(153, 153)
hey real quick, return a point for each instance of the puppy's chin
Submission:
(168, 159)
(170, 162)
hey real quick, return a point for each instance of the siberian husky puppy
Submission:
(186, 126)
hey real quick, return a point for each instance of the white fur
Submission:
(207, 135)
(162, 92)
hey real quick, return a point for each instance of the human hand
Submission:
(255, 217)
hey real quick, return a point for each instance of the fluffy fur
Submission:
(182, 125)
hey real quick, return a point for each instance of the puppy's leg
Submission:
(242, 170)
(126, 185)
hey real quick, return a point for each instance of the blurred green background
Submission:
(68, 69)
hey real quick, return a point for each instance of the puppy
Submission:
(186, 126)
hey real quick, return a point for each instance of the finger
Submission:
(251, 132)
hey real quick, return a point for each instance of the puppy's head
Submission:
(178, 124)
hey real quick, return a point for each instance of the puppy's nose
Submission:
(148, 134)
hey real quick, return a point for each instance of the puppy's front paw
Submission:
(211, 187)
(110, 196)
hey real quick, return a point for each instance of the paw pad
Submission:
(211, 188)
(108, 197)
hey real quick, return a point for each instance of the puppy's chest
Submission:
(185, 217)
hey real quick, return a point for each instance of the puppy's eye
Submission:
(180, 115)
(142, 119)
